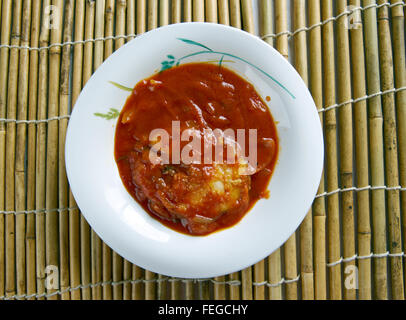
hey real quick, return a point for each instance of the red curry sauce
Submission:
(195, 199)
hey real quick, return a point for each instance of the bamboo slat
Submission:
(74, 215)
(266, 20)
(4, 56)
(281, 25)
(20, 172)
(41, 156)
(163, 13)
(51, 179)
(398, 34)
(235, 13)
(345, 141)
(62, 179)
(391, 151)
(234, 291)
(223, 12)
(152, 14)
(130, 23)
(187, 10)
(189, 290)
(246, 284)
(247, 16)
(219, 288)
(10, 244)
(176, 11)
(211, 11)
(259, 277)
(141, 16)
(375, 122)
(203, 289)
(306, 228)
(319, 210)
(150, 285)
(331, 153)
(198, 10)
(31, 149)
(138, 287)
(361, 154)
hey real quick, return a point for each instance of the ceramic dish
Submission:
(122, 223)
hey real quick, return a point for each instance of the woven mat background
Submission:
(351, 243)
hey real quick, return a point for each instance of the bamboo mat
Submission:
(350, 245)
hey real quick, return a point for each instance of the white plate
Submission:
(122, 223)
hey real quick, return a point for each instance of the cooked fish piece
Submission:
(197, 195)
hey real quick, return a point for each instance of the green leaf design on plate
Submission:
(221, 60)
(167, 64)
(194, 43)
(112, 114)
(120, 86)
